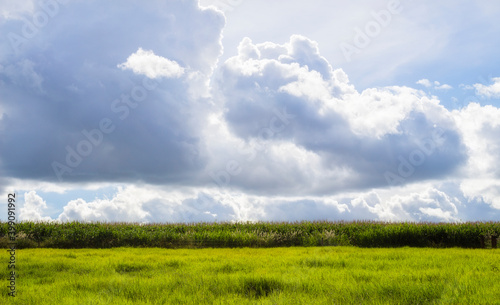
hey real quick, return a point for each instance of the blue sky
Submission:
(235, 110)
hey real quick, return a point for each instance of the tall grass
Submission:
(294, 275)
(249, 234)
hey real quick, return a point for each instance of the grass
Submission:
(260, 234)
(294, 275)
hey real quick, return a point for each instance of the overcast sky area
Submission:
(250, 110)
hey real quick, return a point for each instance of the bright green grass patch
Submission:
(326, 275)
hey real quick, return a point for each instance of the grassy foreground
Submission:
(296, 275)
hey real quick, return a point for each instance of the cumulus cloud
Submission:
(429, 205)
(490, 91)
(418, 202)
(358, 137)
(125, 206)
(425, 82)
(33, 208)
(273, 133)
(443, 87)
(437, 85)
(149, 204)
(484, 190)
(153, 66)
(480, 127)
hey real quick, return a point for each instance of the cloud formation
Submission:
(360, 138)
(275, 132)
(34, 207)
(421, 202)
(437, 85)
(89, 120)
(491, 91)
(153, 66)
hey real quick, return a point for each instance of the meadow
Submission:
(285, 275)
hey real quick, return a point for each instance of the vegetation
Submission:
(295, 275)
(260, 234)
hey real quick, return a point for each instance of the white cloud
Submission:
(424, 202)
(443, 87)
(437, 85)
(145, 62)
(33, 208)
(382, 111)
(491, 91)
(152, 204)
(417, 202)
(430, 204)
(356, 136)
(222, 5)
(425, 82)
(125, 206)
(480, 127)
(487, 190)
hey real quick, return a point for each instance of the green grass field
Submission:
(295, 275)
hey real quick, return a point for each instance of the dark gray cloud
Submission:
(61, 90)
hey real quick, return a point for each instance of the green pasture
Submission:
(286, 275)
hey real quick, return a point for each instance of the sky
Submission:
(238, 110)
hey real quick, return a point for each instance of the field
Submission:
(286, 275)
(254, 263)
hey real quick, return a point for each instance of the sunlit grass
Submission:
(327, 275)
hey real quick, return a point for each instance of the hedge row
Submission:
(259, 234)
